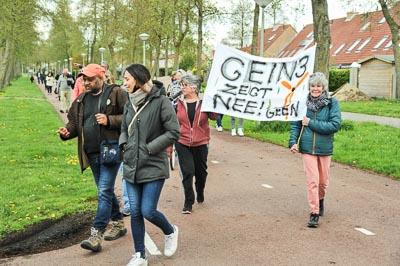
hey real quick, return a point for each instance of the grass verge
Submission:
(364, 145)
(40, 175)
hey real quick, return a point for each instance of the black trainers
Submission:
(200, 197)
(313, 223)
(321, 207)
(187, 209)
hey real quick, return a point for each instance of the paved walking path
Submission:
(383, 120)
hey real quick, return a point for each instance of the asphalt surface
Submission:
(255, 213)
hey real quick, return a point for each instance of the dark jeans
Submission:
(219, 120)
(143, 201)
(108, 205)
(192, 162)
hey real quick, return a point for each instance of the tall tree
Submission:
(204, 9)
(254, 37)
(322, 36)
(390, 15)
(240, 17)
(17, 36)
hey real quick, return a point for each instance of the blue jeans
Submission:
(108, 205)
(143, 200)
(124, 192)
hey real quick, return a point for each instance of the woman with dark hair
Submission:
(149, 126)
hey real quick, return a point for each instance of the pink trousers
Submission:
(316, 168)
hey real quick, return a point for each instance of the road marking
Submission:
(267, 186)
(364, 231)
(150, 245)
(214, 161)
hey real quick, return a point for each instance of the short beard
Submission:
(96, 89)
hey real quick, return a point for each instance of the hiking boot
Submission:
(187, 209)
(240, 132)
(171, 242)
(137, 260)
(200, 197)
(117, 230)
(321, 207)
(233, 132)
(93, 243)
(313, 223)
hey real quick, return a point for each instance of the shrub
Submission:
(337, 78)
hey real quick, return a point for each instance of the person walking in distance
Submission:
(149, 126)
(95, 116)
(192, 146)
(313, 138)
(64, 85)
(240, 131)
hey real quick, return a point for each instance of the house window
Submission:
(388, 45)
(383, 20)
(272, 37)
(365, 26)
(339, 49)
(353, 46)
(380, 42)
(364, 43)
(305, 42)
(310, 34)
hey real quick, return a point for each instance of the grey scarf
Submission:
(138, 98)
(314, 104)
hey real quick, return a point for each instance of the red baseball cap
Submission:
(92, 70)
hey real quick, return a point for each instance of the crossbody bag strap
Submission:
(106, 92)
(130, 127)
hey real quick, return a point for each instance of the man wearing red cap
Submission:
(94, 116)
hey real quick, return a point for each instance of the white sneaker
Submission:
(240, 132)
(137, 260)
(233, 132)
(171, 242)
(219, 129)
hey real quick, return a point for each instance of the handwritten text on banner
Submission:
(257, 88)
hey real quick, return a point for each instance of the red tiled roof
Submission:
(351, 32)
(270, 35)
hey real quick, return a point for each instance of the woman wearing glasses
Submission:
(192, 146)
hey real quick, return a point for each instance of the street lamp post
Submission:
(70, 64)
(83, 59)
(144, 37)
(262, 4)
(102, 50)
(59, 66)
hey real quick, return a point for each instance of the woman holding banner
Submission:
(192, 146)
(313, 137)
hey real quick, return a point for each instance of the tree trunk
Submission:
(254, 39)
(394, 29)
(322, 36)
(199, 37)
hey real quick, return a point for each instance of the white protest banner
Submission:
(257, 88)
